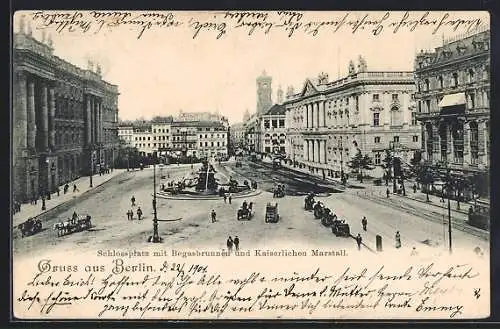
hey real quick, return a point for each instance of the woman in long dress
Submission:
(398, 240)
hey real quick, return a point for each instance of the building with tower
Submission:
(264, 93)
(65, 119)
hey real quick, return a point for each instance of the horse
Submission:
(62, 227)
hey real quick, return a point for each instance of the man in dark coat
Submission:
(358, 241)
(229, 244)
(237, 243)
(364, 222)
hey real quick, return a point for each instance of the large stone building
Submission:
(64, 118)
(367, 112)
(273, 130)
(453, 97)
(237, 135)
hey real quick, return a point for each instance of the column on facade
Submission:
(306, 150)
(467, 153)
(22, 110)
(437, 139)
(45, 118)
(89, 121)
(320, 151)
(52, 116)
(100, 131)
(324, 152)
(314, 107)
(311, 150)
(317, 155)
(449, 141)
(483, 141)
(322, 114)
(311, 122)
(31, 115)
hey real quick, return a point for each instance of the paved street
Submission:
(109, 202)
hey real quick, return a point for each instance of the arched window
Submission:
(395, 116)
(427, 85)
(455, 80)
(470, 76)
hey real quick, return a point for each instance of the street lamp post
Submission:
(91, 166)
(155, 238)
(392, 147)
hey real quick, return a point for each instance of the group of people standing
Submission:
(130, 212)
(233, 243)
(364, 223)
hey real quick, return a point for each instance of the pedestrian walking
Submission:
(131, 214)
(364, 222)
(230, 197)
(414, 252)
(132, 200)
(213, 216)
(128, 214)
(414, 188)
(359, 239)
(229, 244)
(387, 192)
(58, 191)
(139, 213)
(75, 189)
(398, 240)
(236, 243)
(225, 197)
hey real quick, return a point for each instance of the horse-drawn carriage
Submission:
(272, 215)
(279, 191)
(328, 218)
(75, 224)
(318, 210)
(246, 211)
(341, 228)
(309, 202)
(30, 227)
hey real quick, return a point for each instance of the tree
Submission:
(425, 177)
(387, 165)
(360, 162)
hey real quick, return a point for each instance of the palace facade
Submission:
(64, 119)
(367, 112)
(453, 100)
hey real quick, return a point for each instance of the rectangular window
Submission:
(396, 139)
(377, 140)
(274, 123)
(415, 139)
(282, 123)
(375, 97)
(428, 105)
(414, 118)
(394, 97)
(376, 119)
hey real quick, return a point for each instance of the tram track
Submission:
(428, 215)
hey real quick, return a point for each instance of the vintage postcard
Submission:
(250, 165)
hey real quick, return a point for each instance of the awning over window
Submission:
(452, 100)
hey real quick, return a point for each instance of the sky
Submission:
(166, 70)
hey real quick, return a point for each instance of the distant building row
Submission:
(198, 138)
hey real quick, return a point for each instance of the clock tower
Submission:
(264, 91)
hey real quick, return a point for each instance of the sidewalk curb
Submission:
(72, 199)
